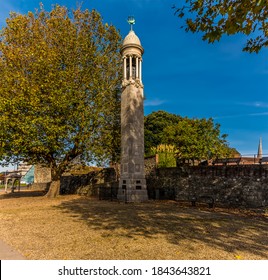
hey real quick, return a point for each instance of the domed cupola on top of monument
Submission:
(132, 52)
(132, 41)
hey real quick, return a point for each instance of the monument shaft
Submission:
(132, 184)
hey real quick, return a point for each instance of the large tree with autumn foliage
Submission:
(59, 89)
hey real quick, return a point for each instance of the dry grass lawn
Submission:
(74, 227)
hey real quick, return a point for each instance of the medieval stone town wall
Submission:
(230, 186)
(150, 165)
(102, 183)
(88, 184)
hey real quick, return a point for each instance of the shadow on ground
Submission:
(215, 228)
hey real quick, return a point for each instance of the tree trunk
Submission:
(54, 189)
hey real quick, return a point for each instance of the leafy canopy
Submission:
(215, 18)
(185, 138)
(197, 139)
(59, 88)
(154, 125)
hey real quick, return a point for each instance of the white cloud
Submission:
(153, 102)
(259, 114)
(241, 116)
(256, 104)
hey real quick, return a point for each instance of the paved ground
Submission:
(8, 253)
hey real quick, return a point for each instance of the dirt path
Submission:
(74, 227)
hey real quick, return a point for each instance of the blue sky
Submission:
(184, 75)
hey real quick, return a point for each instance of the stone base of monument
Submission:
(132, 196)
(132, 190)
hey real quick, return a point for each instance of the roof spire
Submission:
(131, 21)
(260, 149)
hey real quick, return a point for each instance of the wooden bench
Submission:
(226, 161)
(203, 198)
